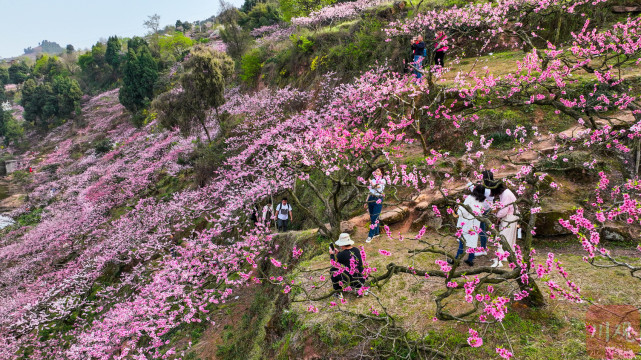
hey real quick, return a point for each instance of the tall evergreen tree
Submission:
(140, 72)
(112, 54)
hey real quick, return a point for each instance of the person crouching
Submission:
(347, 265)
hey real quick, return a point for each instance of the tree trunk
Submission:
(536, 298)
(202, 122)
(558, 29)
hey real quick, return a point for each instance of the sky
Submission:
(83, 22)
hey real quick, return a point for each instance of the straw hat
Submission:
(344, 240)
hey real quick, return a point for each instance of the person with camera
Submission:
(347, 265)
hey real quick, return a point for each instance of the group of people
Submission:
(419, 52)
(282, 215)
(480, 203)
(346, 260)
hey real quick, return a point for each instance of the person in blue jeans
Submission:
(469, 224)
(488, 180)
(375, 202)
(418, 50)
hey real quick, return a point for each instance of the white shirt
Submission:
(267, 209)
(286, 208)
(489, 199)
(377, 186)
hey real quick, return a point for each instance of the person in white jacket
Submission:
(468, 224)
(506, 212)
(488, 182)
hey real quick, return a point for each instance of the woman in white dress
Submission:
(468, 223)
(507, 214)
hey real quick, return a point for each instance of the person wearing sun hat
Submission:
(347, 264)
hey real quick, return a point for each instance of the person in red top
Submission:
(440, 47)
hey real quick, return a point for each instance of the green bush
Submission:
(302, 42)
(30, 218)
(206, 159)
(102, 146)
(251, 66)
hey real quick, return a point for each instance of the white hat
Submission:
(344, 240)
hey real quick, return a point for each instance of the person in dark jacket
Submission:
(347, 265)
(418, 50)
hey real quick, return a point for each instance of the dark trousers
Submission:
(282, 225)
(461, 249)
(483, 234)
(374, 211)
(355, 281)
(439, 58)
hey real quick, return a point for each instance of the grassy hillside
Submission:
(133, 236)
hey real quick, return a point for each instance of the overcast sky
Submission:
(83, 22)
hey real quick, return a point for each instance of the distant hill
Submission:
(44, 47)
(49, 47)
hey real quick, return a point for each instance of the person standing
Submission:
(440, 47)
(347, 265)
(254, 215)
(418, 51)
(375, 203)
(507, 214)
(284, 211)
(468, 223)
(267, 216)
(488, 179)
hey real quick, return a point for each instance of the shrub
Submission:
(251, 66)
(302, 42)
(102, 146)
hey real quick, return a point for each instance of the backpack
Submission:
(283, 211)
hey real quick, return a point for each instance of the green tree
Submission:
(68, 95)
(70, 49)
(112, 53)
(236, 38)
(250, 66)
(202, 87)
(4, 76)
(260, 15)
(140, 72)
(43, 103)
(18, 72)
(12, 130)
(97, 74)
(48, 67)
(297, 8)
(175, 45)
(38, 103)
(248, 5)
